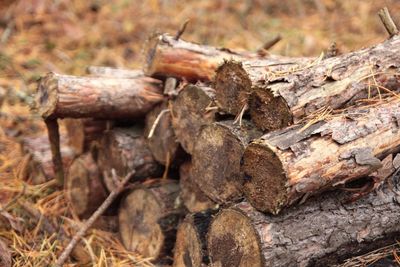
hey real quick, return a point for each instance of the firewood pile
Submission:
(238, 159)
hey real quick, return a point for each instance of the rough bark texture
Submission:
(166, 57)
(216, 159)
(192, 197)
(113, 72)
(162, 142)
(84, 187)
(191, 244)
(122, 150)
(193, 108)
(63, 96)
(149, 217)
(37, 165)
(280, 99)
(323, 232)
(287, 165)
(81, 132)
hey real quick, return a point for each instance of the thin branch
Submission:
(181, 30)
(269, 43)
(155, 123)
(388, 22)
(54, 139)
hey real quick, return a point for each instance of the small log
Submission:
(81, 132)
(290, 164)
(149, 217)
(84, 187)
(322, 232)
(193, 108)
(122, 150)
(161, 136)
(109, 72)
(192, 197)
(216, 159)
(168, 57)
(37, 165)
(191, 244)
(64, 96)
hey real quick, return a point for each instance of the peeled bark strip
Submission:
(281, 99)
(322, 232)
(192, 109)
(148, 219)
(161, 136)
(82, 132)
(113, 72)
(37, 165)
(216, 159)
(64, 96)
(284, 166)
(192, 197)
(191, 244)
(122, 150)
(84, 188)
(167, 57)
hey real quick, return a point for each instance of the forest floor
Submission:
(66, 36)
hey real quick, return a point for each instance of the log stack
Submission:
(243, 159)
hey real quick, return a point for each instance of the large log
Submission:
(64, 96)
(286, 165)
(193, 108)
(113, 72)
(149, 217)
(322, 232)
(191, 244)
(168, 57)
(217, 156)
(122, 150)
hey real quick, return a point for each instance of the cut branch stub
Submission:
(286, 165)
(64, 96)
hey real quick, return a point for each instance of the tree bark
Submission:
(323, 232)
(193, 108)
(149, 217)
(286, 165)
(167, 57)
(109, 72)
(216, 159)
(191, 244)
(122, 150)
(84, 188)
(192, 197)
(64, 96)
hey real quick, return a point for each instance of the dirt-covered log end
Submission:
(46, 95)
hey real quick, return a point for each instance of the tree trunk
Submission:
(161, 136)
(216, 159)
(84, 187)
(37, 165)
(114, 72)
(64, 96)
(284, 166)
(122, 150)
(167, 57)
(193, 108)
(191, 244)
(192, 197)
(148, 219)
(322, 232)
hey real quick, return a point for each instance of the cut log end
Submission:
(46, 97)
(258, 163)
(232, 86)
(151, 54)
(232, 241)
(188, 250)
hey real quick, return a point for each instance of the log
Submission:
(216, 159)
(322, 232)
(168, 57)
(160, 135)
(333, 83)
(84, 188)
(109, 72)
(37, 165)
(64, 96)
(191, 244)
(290, 164)
(192, 197)
(122, 150)
(193, 108)
(81, 132)
(148, 219)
